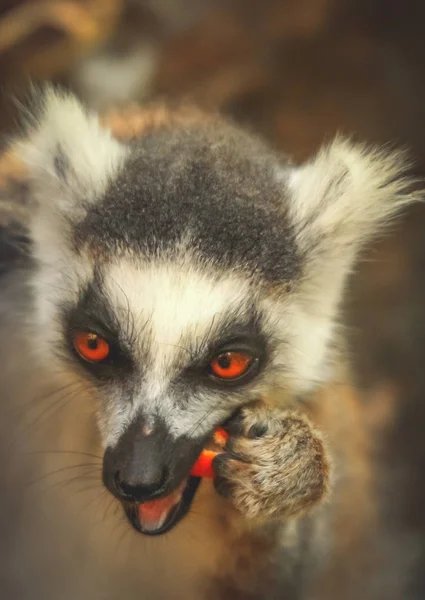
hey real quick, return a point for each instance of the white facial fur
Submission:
(182, 305)
(176, 306)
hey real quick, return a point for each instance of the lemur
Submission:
(184, 276)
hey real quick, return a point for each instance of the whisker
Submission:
(100, 497)
(52, 409)
(33, 425)
(33, 402)
(203, 417)
(66, 482)
(88, 488)
(66, 452)
(108, 508)
(126, 532)
(45, 476)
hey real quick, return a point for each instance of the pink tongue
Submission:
(153, 514)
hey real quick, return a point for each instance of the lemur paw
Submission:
(274, 464)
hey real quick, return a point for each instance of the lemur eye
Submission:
(231, 365)
(91, 346)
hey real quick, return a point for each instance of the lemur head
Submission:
(186, 272)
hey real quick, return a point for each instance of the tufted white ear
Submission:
(347, 193)
(70, 157)
(71, 160)
(338, 202)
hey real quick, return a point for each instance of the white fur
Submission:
(340, 200)
(345, 196)
(92, 155)
(373, 189)
(92, 159)
(177, 305)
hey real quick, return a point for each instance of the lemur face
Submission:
(186, 273)
(173, 350)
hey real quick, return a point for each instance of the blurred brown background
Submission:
(296, 71)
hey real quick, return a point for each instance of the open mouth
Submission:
(157, 517)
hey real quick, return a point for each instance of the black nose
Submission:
(140, 486)
(138, 468)
(147, 463)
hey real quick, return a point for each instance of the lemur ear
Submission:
(339, 201)
(70, 157)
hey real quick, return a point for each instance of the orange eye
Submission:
(91, 346)
(230, 365)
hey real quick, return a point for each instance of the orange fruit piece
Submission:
(203, 466)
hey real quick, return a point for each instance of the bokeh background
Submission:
(297, 72)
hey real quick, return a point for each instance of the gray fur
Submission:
(181, 186)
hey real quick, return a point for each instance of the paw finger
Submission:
(249, 421)
(223, 469)
(245, 449)
(225, 464)
(235, 425)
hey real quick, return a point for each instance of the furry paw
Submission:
(274, 464)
